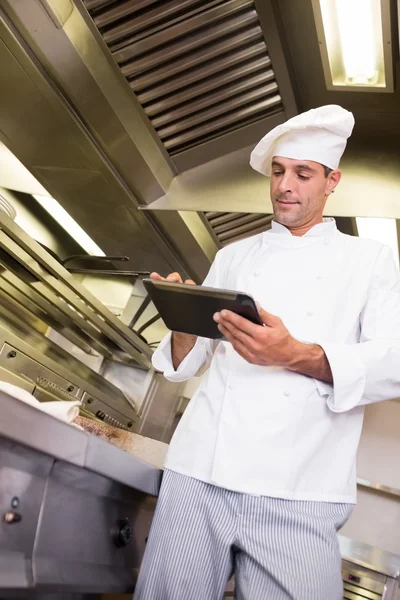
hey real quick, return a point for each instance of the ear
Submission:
(333, 180)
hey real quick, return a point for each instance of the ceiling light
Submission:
(355, 42)
(67, 222)
(381, 230)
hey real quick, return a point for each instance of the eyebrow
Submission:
(297, 167)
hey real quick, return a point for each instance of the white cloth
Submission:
(269, 431)
(62, 410)
(319, 134)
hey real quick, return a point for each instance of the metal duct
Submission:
(232, 227)
(200, 69)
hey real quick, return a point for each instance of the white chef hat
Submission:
(319, 134)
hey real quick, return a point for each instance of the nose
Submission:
(285, 183)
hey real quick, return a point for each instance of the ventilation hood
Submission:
(139, 118)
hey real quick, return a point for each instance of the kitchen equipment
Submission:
(368, 572)
(75, 511)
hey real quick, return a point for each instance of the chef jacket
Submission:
(265, 430)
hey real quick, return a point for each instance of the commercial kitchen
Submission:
(125, 133)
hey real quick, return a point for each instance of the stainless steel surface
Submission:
(58, 287)
(211, 75)
(379, 488)
(82, 134)
(359, 584)
(373, 559)
(71, 514)
(232, 227)
(32, 361)
(159, 409)
(177, 47)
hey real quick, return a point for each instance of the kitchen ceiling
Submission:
(174, 94)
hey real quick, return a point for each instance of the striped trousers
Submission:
(278, 549)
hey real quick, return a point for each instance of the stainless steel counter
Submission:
(75, 510)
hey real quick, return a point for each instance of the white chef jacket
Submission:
(270, 431)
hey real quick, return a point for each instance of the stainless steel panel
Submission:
(115, 13)
(209, 84)
(89, 121)
(63, 527)
(23, 477)
(189, 26)
(118, 465)
(215, 148)
(221, 123)
(379, 488)
(222, 103)
(83, 554)
(373, 582)
(227, 93)
(12, 360)
(374, 559)
(177, 49)
(356, 592)
(39, 308)
(232, 221)
(107, 412)
(152, 20)
(105, 158)
(70, 445)
(53, 365)
(59, 287)
(199, 65)
(182, 50)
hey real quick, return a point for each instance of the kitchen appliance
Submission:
(75, 511)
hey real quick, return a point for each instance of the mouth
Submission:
(287, 202)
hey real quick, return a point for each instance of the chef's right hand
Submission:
(172, 277)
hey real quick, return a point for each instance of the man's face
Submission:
(299, 190)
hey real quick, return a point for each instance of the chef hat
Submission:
(319, 134)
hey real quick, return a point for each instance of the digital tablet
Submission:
(190, 308)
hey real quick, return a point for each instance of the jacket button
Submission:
(256, 273)
(286, 393)
(310, 313)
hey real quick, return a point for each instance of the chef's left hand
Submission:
(271, 345)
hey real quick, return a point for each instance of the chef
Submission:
(260, 474)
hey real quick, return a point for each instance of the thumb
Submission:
(269, 319)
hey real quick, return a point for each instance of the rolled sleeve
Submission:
(190, 366)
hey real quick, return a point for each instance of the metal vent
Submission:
(232, 227)
(199, 68)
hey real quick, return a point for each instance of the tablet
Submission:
(190, 308)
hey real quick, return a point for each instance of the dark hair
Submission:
(327, 170)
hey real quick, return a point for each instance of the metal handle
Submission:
(90, 257)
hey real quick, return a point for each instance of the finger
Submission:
(156, 277)
(268, 318)
(238, 334)
(240, 347)
(174, 278)
(228, 317)
(189, 282)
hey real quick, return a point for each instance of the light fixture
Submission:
(381, 230)
(355, 43)
(67, 222)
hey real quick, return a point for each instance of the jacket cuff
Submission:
(162, 360)
(349, 377)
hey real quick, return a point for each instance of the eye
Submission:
(303, 177)
(277, 173)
